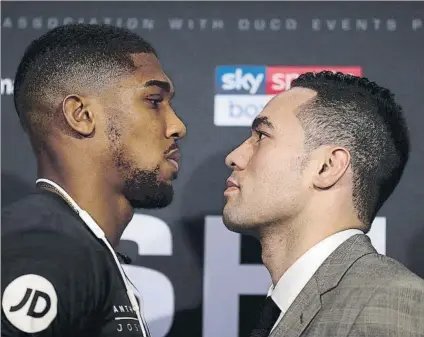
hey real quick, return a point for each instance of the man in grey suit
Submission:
(321, 160)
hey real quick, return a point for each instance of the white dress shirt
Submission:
(298, 275)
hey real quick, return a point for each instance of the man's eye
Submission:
(155, 102)
(260, 135)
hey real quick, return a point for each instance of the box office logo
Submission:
(242, 91)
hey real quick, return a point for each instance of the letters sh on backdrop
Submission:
(242, 91)
(221, 257)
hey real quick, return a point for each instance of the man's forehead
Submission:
(145, 60)
(283, 107)
(288, 102)
(149, 70)
(138, 82)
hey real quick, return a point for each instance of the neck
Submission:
(284, 243)
(109, 208)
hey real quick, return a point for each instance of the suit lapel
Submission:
(301, 312)
(308, 303)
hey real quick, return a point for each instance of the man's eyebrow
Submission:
(261, 121)
(161, 84)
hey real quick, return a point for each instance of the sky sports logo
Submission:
(241, 92)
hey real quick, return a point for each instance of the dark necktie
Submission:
(267, 317)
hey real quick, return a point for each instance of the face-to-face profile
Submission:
(268, 183)
(141, 130)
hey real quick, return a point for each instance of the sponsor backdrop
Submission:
(227, 60)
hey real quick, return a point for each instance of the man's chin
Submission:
(231, 222)
(237, 224)
(159, 196)
(148, 190)
(153, 201)
(165, 174)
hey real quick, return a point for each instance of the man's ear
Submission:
(78, 114)
(332, 165)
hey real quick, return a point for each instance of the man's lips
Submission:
(174, 158)
(232, 186)
(232, 183)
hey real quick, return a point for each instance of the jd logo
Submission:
(37, 295)
(30, 303)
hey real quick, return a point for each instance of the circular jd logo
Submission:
(30, 303)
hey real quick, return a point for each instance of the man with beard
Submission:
(95, 104)
(322, 159)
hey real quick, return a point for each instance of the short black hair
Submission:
(69, 58)
(358, 114)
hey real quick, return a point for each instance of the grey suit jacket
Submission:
(357, 292)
